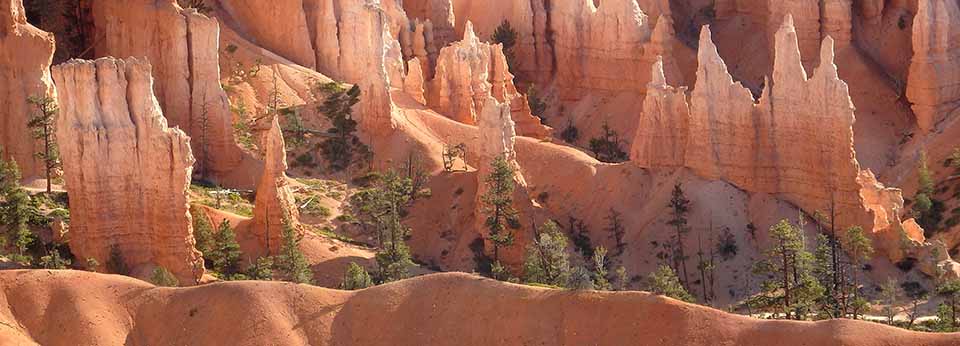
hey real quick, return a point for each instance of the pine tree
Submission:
(679, 208)
(600, 281)
(342, 148)
(291, 264)
(608, 147)
(891, 293)
(17, 210)
(792, 285)
(547, 259)
(42, 124)
(505, 34)
(202, 232)
(616, 229)
(226, 250)
(162, 277)
(498, 205)
(664, 282)
(926, 209)
(951, 291)
(860, 249)
(382, 207)
(622, 280)
(356, 278)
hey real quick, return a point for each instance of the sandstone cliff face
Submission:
(183, 47)
(933, 85)
(127, 173)
(25, 56)
(470, 71)
(797, 142)
(347, 39)
(274, 203)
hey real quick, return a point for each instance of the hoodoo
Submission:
(126, 171)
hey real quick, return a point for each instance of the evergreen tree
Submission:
(823, 270)
(261, 269)
(600, 281)
(891, 292)
(792, 285)
(382, 207)
(608, 147)
(665, 282)
(342, 148)
(622, 280)
(162, 277)
(580, 279)
(505, 34)
(291, 264)
(42, 124)
(202, 232)
(547, 260)
(356, 278)
(679, 208)
(53, 260)
(860, 249)
(927, 210)
(951, 291)
(498, 205)
(17, 210)
(226, 251)
(616, 229)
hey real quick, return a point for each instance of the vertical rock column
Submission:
(274, 204)
(126, 172)
(25, 56)
(933, 84)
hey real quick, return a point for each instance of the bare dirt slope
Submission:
(80, 308)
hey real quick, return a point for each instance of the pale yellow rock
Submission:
(126, 172)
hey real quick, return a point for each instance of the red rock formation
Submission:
(933, 85)
(797, 142)
(274, 203)
(274, 25)
(470, 71)
(25, 56)
(414, 81)
(126, 172)
(187, 72)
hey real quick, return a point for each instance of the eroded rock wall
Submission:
(470, 71)
(183, 47)
(796, 142)
(126, 172)
(25, 57)
(933, 84)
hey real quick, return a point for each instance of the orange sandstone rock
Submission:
(126, 172)
(470, 71)
(933, 85)
(274, 203)
(182, 46)
(25, 56)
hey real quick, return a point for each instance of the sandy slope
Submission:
(80, 308)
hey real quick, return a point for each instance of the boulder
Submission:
(126, 172)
